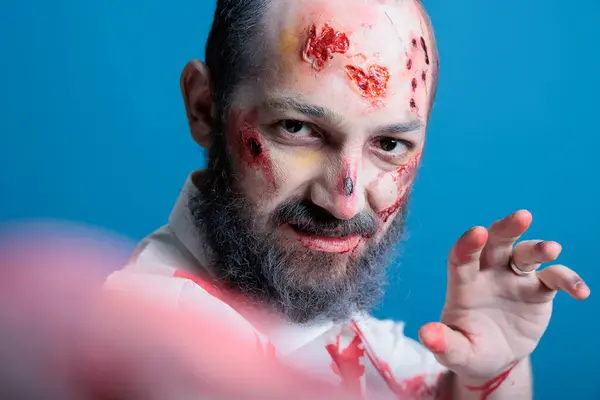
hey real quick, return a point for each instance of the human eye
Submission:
(392, 147)
(296, 128)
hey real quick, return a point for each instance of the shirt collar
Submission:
(181, 224)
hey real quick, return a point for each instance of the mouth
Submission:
(330, 243)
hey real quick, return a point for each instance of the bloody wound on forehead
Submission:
(372, 83)
(319, 50)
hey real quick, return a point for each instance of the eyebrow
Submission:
(406, 127)
(311, 110)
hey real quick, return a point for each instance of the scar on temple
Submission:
(319, 50)
(371, 84)
(425, 50)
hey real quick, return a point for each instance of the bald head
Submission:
(247, 35)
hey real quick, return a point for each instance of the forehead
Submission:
(359, 57)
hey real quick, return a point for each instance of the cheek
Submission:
(254, 156)
(384, 192)
(306, 159)
(389, 191)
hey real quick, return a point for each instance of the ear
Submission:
(195, 87)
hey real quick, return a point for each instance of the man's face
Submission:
(325, 145)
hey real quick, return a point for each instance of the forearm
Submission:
(513, 385)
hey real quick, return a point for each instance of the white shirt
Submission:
(370, 354)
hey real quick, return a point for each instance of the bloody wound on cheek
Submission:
(255, 147)
(413, 84)
(254, 154)
(403, 178)
(409, 64)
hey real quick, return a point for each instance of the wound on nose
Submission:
(348, 186)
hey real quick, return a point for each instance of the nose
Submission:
(340, 190)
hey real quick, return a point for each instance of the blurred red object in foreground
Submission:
(62, 337)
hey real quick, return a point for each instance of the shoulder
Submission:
(156, 271)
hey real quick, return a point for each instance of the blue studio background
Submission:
(93, 130)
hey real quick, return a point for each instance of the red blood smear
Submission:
(207, 286)
(319, 50)
(423, 76)
(347, 363)
(413, 104)
(414, 84)
(403, 177)
(409, 64)
(253, 152)
(373, 84)
(491, 386)
(412, 388)
(270, 352)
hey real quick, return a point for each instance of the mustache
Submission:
(315, 220)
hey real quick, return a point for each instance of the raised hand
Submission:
(498, 304)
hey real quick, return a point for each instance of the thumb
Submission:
(450, 347)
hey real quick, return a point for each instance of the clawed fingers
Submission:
(502, 236)
(530, 254)
(559, 277)
(450, 347)
(463, 261)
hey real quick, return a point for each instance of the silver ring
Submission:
(517, 270)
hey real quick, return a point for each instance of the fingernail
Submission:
(579, 285)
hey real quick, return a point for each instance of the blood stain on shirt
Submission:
(347, 363)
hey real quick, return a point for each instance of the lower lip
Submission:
(329, 244)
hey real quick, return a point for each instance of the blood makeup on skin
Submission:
(348, 179)
(417, 66)
(371, 83)
(250, 146)
(346, 186)
(403, 177)
(320, 49)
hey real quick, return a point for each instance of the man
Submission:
(314, 114)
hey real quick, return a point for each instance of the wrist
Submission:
(487, 384)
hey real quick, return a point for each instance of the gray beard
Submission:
(302, 285)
